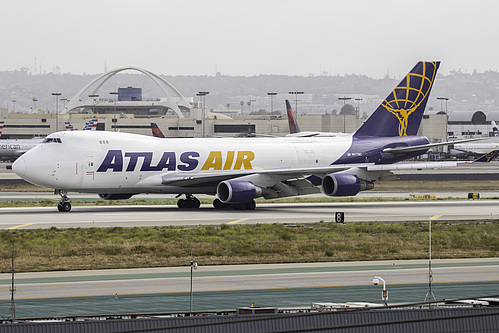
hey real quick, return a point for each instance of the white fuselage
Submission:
(113, 162)
(10, 149)
(479, 148)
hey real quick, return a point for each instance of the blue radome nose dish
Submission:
(19, 167)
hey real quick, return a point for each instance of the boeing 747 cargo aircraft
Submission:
(237, 170)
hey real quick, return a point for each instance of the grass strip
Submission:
(108, 248)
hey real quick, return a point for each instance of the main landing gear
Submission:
(190, 201)
(64, 205)
(236, 206)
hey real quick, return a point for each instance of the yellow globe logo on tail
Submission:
(409, 94)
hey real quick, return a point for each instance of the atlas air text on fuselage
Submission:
(118, 161)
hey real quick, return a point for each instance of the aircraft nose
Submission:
(34, 165)
(19, 167)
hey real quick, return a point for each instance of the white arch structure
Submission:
(81, 101)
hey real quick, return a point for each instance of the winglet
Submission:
(156, 131)
(401, 112)
(293, 124)
(487, 157)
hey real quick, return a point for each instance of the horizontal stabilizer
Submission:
(400, 150)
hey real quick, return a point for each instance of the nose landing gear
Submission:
(64, 205)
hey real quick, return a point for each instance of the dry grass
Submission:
(99, 248)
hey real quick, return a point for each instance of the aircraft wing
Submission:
(268, 178)
(300, 181)
(273, 175)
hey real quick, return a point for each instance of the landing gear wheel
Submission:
(189, 202)
(251, 205)
(64, 205)
(218, 204)
(181, 203)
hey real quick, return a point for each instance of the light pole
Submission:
(442, 99)
(203, 94)
(34, 99)
(251, 102)
(296, 93)
(344, 99)
(93, 96)
(12, 288)
(114, 93)
(56, 94)
(271, 94)
(194, 266)
(64, 100)
(429, 294)
(358, 107)
(385, 292)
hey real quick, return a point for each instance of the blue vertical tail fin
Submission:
(156, 131)
(293, 124)
(401, 112)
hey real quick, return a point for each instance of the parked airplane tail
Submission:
(401, 112)
(1, 127)
(91, 125)
(293, 124)
(488, 157)
(156, 131)
(68, 126)
(495, 131)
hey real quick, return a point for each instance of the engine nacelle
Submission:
(116, 196)
(237, 191)
(342, 184)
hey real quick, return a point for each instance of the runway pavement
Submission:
(162, 290)
(246, 277)
(166, 215)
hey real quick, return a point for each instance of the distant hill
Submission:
(466, 92)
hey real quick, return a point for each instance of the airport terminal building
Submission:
(126, 109)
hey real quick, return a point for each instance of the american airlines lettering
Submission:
(187, 161)
(10, 146)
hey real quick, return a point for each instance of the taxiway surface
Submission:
(166, 215)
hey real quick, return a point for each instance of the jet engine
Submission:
(342, 184)
(237, 191)
(118, 196)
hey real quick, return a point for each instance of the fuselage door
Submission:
(90, 167)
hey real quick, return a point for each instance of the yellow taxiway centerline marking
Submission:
(435, 217)
(237, 221)
(21, 225)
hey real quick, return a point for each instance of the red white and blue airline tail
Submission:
(156, 131)
(293, 124)
(91, 125)
(1, 127)
(401, 112)
(68, 126)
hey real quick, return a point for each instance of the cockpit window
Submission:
(52, 140)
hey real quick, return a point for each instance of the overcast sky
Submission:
(290, 37)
